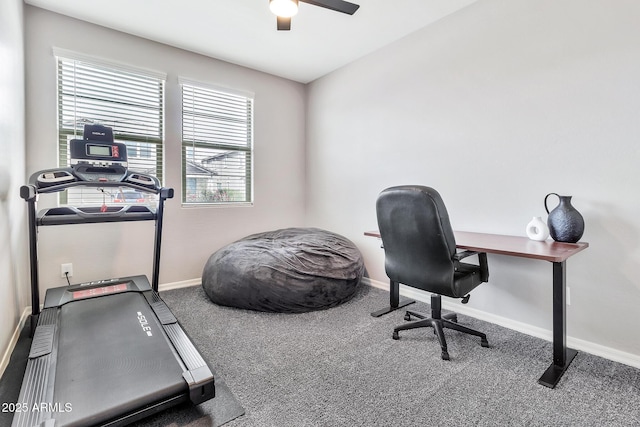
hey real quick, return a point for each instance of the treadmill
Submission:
(106, 352)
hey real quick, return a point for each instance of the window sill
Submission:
(217, 205)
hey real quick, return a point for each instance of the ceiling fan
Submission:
(285, 9)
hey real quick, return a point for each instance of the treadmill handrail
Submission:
(62, 187)
(69, 179)
(74, 180)
(72, 215)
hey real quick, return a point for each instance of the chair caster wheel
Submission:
(445, 355)
(484, 343)
(395, 335)
(407, 317)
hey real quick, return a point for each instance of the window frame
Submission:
(65, 58)
(187, 181)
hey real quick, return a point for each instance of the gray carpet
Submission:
(340, 367)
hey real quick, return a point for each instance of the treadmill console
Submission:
(98, 161)
(96, 157)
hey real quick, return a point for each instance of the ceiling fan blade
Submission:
(284, 24)
(337, 5)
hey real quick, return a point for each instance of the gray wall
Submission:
(13, 263)
(190, 234)
(496, 106)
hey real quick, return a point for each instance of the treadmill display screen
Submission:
(102, 150)
(94, 292)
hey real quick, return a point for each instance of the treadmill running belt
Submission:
(113, 358)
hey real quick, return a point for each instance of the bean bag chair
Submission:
(292, 270)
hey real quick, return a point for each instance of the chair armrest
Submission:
(482, 258)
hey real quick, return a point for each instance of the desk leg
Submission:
(394, 300)
(562, 356)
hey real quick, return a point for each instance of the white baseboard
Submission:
(179, 285)
(14, 340)
(575, 343)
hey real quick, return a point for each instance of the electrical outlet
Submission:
(66, 268)
(568, 296)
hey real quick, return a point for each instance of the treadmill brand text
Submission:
(144, 324)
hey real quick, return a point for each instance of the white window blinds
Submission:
(217, 145)
(128, 101)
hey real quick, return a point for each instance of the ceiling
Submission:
(244, 32)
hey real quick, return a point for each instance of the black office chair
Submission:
(420, 251)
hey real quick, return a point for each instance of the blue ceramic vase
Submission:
(565, 222)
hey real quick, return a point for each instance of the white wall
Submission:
(13, 263)
(496, 106)
(191, 235)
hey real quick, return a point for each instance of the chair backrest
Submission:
(417, 237)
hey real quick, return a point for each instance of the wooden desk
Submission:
(555, 252)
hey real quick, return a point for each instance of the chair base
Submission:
(438, 322)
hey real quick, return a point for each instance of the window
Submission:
(129, 101)
(217, 145)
